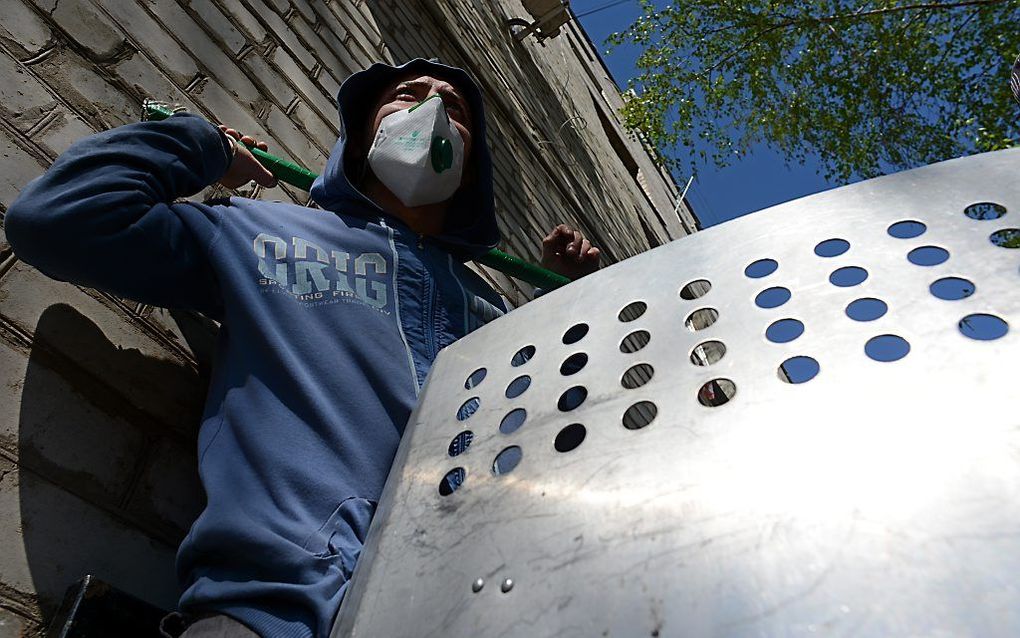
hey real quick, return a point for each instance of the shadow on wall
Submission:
(573, 165)
(90, 499)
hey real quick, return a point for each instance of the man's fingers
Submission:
(567, 252)
(556, 235)
(583, 252)
(247, 140)
(575, 242)
(563, 241)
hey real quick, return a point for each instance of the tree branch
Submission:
(851, 16)
(906, 7)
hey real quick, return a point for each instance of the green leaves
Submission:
(868, 87)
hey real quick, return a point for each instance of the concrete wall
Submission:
(100, 396)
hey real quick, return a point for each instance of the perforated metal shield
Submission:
(694, 464)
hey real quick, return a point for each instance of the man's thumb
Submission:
(264, 177)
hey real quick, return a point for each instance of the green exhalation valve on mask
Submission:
(441, 154)
(302, 178)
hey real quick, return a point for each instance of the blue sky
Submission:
(756, 181)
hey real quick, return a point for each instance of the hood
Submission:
(471, 228)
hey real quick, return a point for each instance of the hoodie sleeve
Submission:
(103, 214)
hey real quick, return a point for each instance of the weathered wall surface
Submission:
(100, 396)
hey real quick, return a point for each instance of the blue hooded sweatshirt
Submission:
(330, 321)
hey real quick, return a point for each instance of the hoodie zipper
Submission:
(430, 299)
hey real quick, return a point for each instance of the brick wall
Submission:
(100, 396)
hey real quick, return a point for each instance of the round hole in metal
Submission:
(639, 415)
(572, 398)
(637, 376)
(570, 437)
(866, 309)
(798, 369)
(452, 481)
(522, 356)
(475, 378)
(635, 341)
(887, 348)
(695, 289)
(461, 442)
(575, 333)
(632, 311)
(848, 276)
(907, 229)
(952, 288)
(1006, 238)
(784, 330)
(514, 419)
(983, 327)
(928, 256)
(761, 268)
(983, 211)
(468, 408)
(573, 364)
(701, 319)
(507, 460)
(518, 386)
(772, 297)
(707, 353)
(832, 247)
(716, 392)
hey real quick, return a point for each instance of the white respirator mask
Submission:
(418, 153)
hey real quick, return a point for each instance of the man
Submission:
(330, 318)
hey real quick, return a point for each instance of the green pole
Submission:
(300, 177)
(516, 267)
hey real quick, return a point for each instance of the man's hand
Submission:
(244, 167)
(565, 251)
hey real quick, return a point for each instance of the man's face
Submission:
(406, 93)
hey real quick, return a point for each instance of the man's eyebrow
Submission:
(408, 83)
(450, 91)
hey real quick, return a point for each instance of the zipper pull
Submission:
(421, 242)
